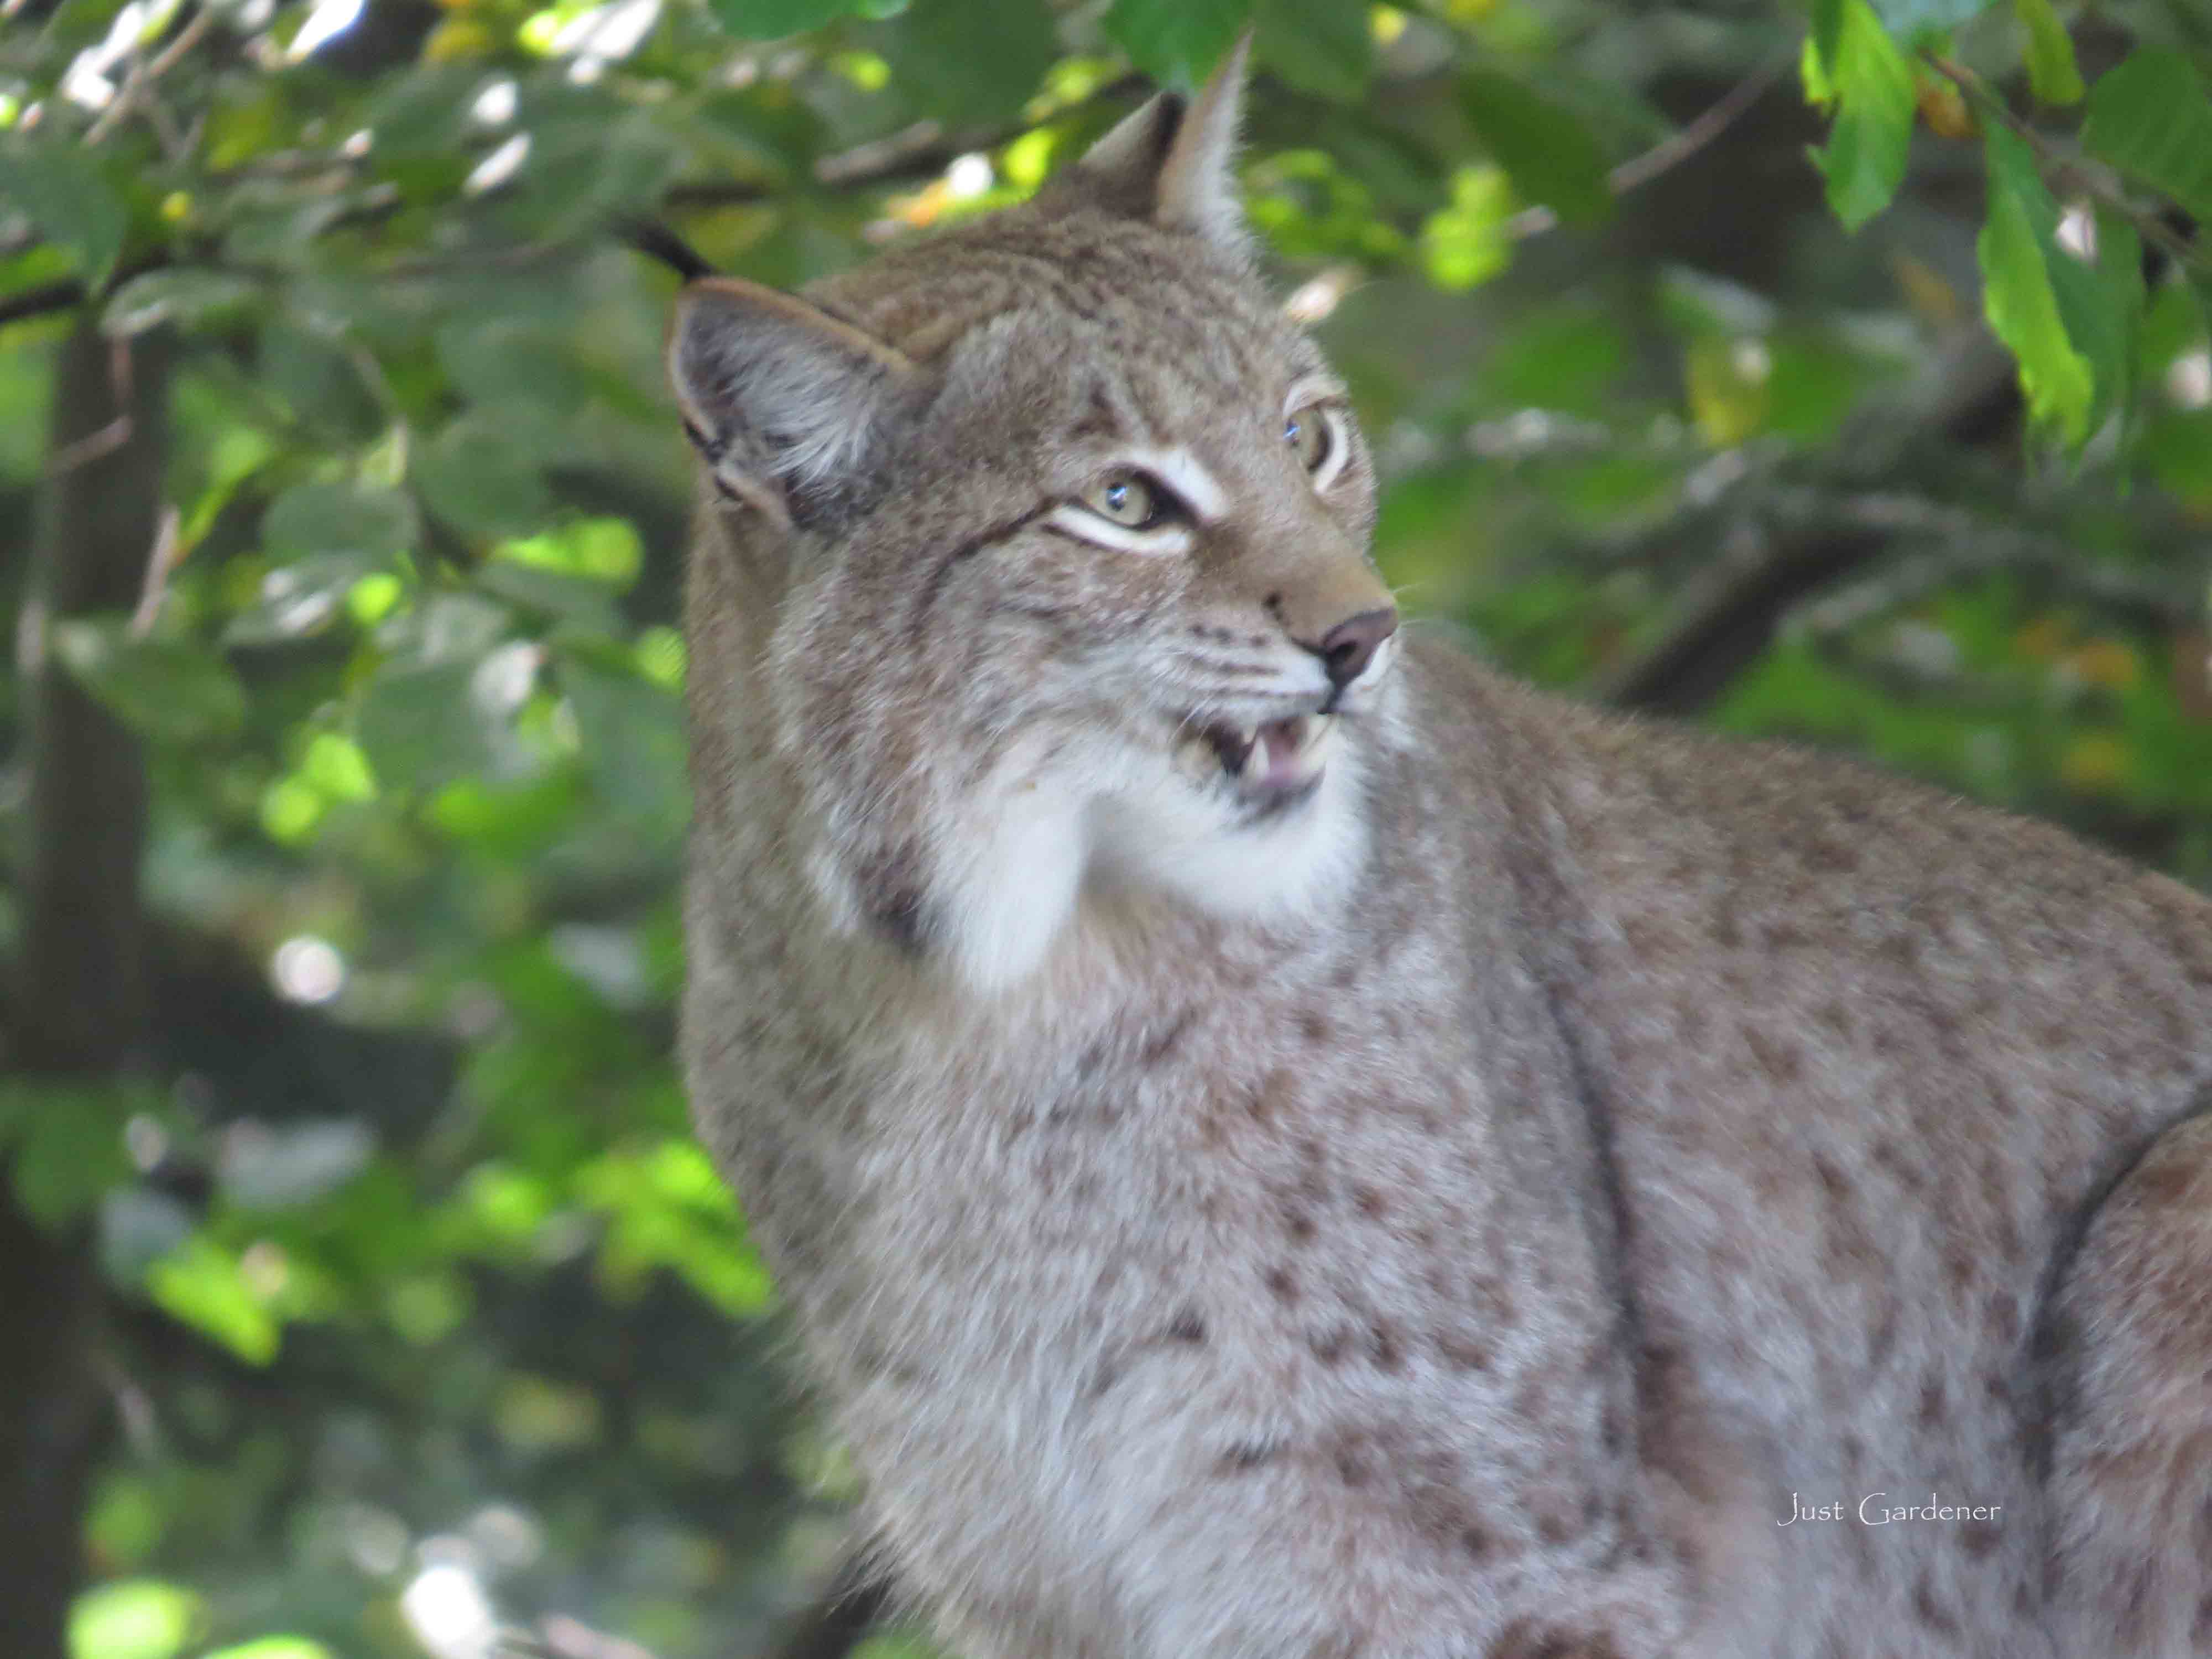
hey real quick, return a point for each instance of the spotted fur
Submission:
(1459, 1216)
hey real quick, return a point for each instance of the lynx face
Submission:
(1063, 529)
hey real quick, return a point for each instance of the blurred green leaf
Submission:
(275, 1647)
(68, 1146)
(1177, 42)
(478, 477)
(64, 192)
(1871, 83)
(136, 1619)
(2053, 75)
(771, 20)
(419, 725)
(2151, 118)
(967, 63)
(1915, 20)
(1550, 156)
(203, 1285)
(2018, 297)
(173, 689)
(298, 600)
(312, 518)
(1322, 46)
(181, 294)
(1468, 243)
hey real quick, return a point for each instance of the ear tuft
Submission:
(785, 402)
(1173, 162)
(1197, 179)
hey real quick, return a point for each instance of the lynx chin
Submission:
(1282, 1144)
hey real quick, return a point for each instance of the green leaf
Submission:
(771, 20)
(969, 63)
(1550, 156)
(633, 742)
(419, 725)
(1176, 42)
(480, 479)
(202, 1285)
(2018, 298)
(1915, 20)
(1870, 81)
(318, 379)
(69, 1148)
(599, 549)
(1322, 46)
(312, 518)
(275, 1647)
(298, 599)
(2151, 118)
(1467, 244)
(168, 688)
(136, 1619)
(63, 191)
(2053, 75)
(181, 294)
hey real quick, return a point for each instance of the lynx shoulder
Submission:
(1281, 1142)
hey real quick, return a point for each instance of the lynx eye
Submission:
(1311, 436)
(1129, 500)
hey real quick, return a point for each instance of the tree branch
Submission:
(79, 998)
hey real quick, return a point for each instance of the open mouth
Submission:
(1269, 759)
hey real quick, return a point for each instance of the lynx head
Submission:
(1053, 529)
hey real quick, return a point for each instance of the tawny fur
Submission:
(1459, 1218)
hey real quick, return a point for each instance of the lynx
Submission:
(1283, 1143)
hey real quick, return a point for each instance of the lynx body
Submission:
(1284, 1145)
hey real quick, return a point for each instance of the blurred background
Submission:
(361, 1291)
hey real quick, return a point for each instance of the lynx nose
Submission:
(1346, 650)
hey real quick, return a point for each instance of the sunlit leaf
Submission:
(202, 1285)
(136, 1619)
(2053, 75)
(275, 1647)
(1870, 81)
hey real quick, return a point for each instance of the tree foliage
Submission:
(1673, 330)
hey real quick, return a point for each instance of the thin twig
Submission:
(144, 74)
(1668, 153)
(167, 554)
(39, 301)
(107, 440)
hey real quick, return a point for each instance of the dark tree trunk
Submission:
(78, 1000)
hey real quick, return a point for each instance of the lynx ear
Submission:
(1173, 161)
(787, 403)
